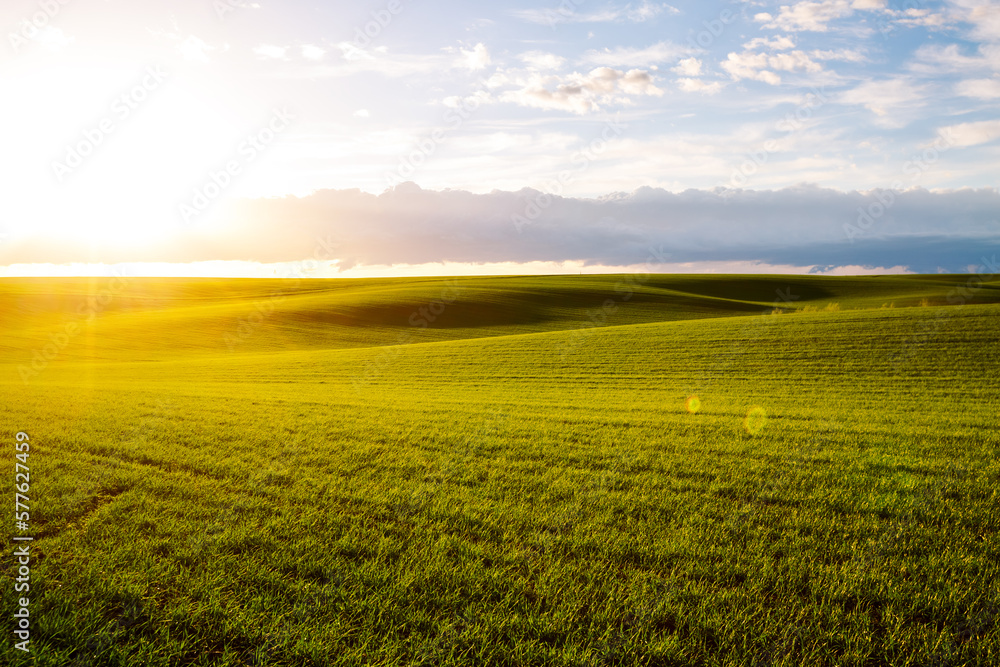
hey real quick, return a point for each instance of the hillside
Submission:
(535, 492)
(113, 319)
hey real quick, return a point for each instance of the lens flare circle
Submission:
(692, 404)
(755, 420)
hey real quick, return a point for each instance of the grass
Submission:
(518, 482)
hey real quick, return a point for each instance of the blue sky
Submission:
(134, 129)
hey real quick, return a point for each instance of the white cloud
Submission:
(362, 113)
(759, 66)
(475, 59)
(806, 15)
(844, 55)
(555, 16)
(563, 98)
(950, 58)
(635, 57)
(983, 15)
(540, 60)
(749, 66)
(634, 82)
(689, 85)
(777, 43)
(914, 17)
(814, 16)
(688, 67)
(582, 93)
(312, 52)
(381, 61)
(648, 10)
(884, 97)
(271, 51)
(984, 89)
(792, 61)
(640, 13)
(971, 134)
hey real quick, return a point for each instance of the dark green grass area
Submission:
(146, 318)
(526, 493)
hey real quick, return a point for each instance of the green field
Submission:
(504, 471)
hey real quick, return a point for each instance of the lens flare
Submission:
(693, 404)
(756, 418)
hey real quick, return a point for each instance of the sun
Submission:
(114, 169)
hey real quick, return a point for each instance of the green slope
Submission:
(111, 319)
(535, 498)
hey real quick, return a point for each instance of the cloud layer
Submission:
(801, 226)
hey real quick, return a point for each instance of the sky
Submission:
(400, 137)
